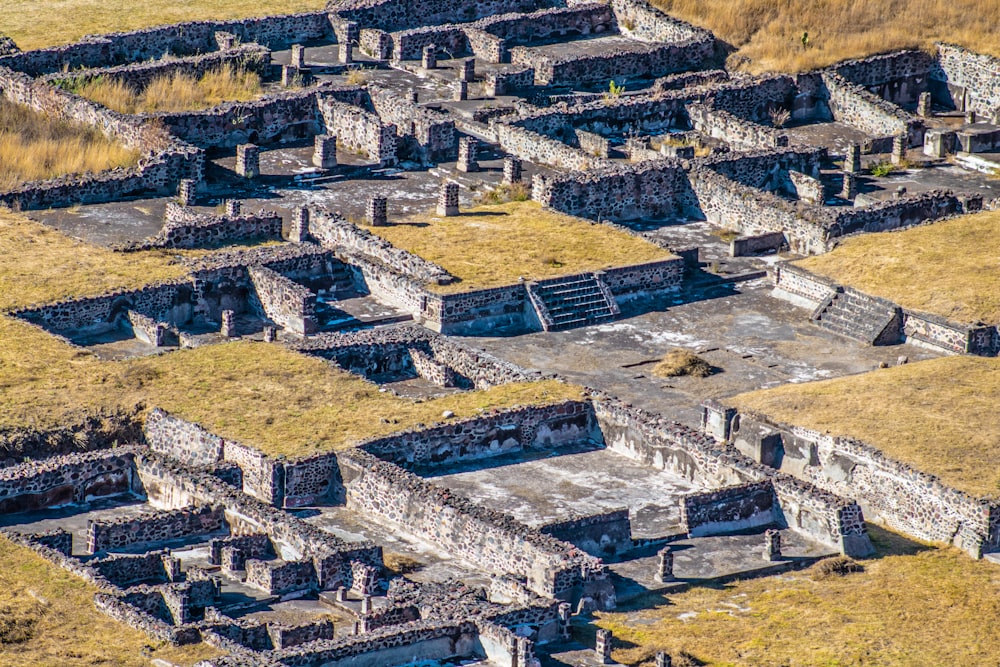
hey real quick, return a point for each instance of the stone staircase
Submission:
(572, 301)
(862, 317)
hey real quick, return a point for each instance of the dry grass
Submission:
(914, 606)
(939, 416)
(949, 268)
(768, 33)
(175, 92)
(490, 246)
(37, 147)
(291, 404)
(47, 617)
(680, 362)
(34, 25)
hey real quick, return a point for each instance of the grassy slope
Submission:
(177, 92)
(949, 268)
(768, 33)
(47, 617)
(913, 606)
(491, 246)
(284, 402)
(35, 147)
(35, 25)
(938, 415)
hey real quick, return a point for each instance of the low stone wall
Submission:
(96, 430)
(153, 527)
(168, 484)
(281, 577)
(249, 57)
(540, 149)
(60, 480)
(650, 61)
(490, 539)
(734, 508)
(336, 233)
(187, 229)
(393, 15)
(359, 131)
(950, 336)
(898, 213)
(123, 611)
(966, 80)
(432, 131)
(739, 133)
(586, 18)
(629, 282)
(665, 445)
(125, 570)
(409, 44)
(898, 77)
(640, 20)
(650, 189)
(602, 535)
(544, 428)
(907, 500)
(851, 104)
(495, 310)
(510, 81)
(803, 284)
(122, 48)
(284, 302)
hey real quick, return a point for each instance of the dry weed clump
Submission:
(176, 92)
(795, 35)
(36, 147)
(679, 362)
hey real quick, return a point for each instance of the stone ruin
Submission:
(611, 111)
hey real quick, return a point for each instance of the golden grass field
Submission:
(767, 34)
(950, 268)
(176, 92)
(47, 617)
(912, 606)
(494, 245)
(35, 25)
(939, 415)
(36, 147)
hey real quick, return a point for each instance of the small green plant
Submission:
(805, 40)
(505, 192)
(882, 169)
(614, 91)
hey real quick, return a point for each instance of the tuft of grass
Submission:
(36, 147)
(938, 415)
(400, 564)
(882, 169)
(799, 35)
(504, 193)
(35, 25)
(838, 566)
(176, 92)
(949, 268)
(491, 246)
(680, 362)
(47, 617)
(925, 607)
(357, 76)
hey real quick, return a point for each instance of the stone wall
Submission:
(284, 302)
(629, 282)
(281, 577)
(125, 570)
(334, 232)
(540, 149)
(432, 131)
(651, 189)
(854, 105)
(450, 39)
(966, 80)
(893, 214)
(739, 133)
(393, 15)
(153, 527)
(185, 228)
(170, 485)
(665, 445)
(730, 509)
(359, 131)
(648, 61)
(603, 535)
(248, 57)
(179, 39)
(897, 77)
(60, 480)
(542, 428)
(907, 500)
(490, 539)
(640, 20)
